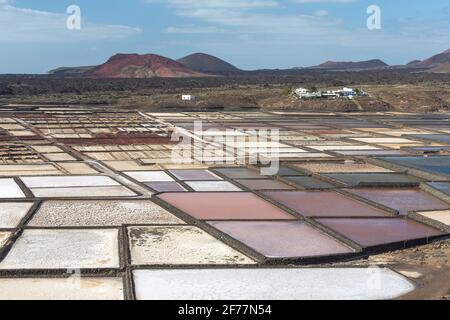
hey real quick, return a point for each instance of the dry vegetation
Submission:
(389, 91)
(426, 97)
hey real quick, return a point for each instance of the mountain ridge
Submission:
(141, 66)
(206, 63)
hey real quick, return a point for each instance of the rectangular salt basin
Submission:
(225, 206)
(64, 249)
(375, 232)
(269, 284)
(324, 204)
(240, 173)
(307, 182)
(439, 216)
(77, 168)
(384, 140)
(47, 149)
(374, 153)
(339, 167)
(441, 138)
(59, 157)
(170, 186)
(11, 213)
(91, 213)
(443, 187)
(68, 181)
(282, 239)
(89, 192)
(352, 147)
(264, 184)
(212, 186)
(374, 179)
(150, 176)
(286, 171)
(61, 289)
(9, 189)
(403, 200)
(195, 175)
(180, 245)
(439, 165)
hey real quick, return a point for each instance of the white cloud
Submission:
(27, 25)
(321, 13)
(219, 4)
(193, 30)
(247, 27)
(244, 17)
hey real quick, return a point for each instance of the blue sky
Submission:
(249, 33)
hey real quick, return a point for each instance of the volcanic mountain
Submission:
(142, 66)
(434, 61)
(334, 65)
(206, 63)
(70, 71)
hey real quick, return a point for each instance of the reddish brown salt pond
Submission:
(282, 239)
(225, 206)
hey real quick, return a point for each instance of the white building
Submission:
(187, 97)
(348, 92)
(303, 93)
(330, 94)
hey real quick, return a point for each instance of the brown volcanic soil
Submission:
(442, 68)
(398, 90)
(142, 66)
(409, 97)
(341, 65)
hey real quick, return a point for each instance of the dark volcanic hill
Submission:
(362, 65)
(439, 63)
(70, 71)
(206, 63)
(142, 66)
(441, 68)
(434, 61)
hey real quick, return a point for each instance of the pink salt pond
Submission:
(225, 206)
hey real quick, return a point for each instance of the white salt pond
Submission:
(11, 213)
(204, 186)
(73, 288)
(180, 245)
(9, 189)
(64, 249)
(68, 181)
(83, 192)
(150, 176)
(271, 284)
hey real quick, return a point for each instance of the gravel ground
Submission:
(100, 213)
